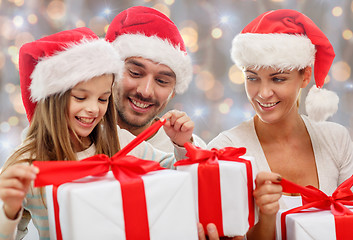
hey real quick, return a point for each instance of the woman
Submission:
(276, 51)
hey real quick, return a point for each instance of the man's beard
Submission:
(133, 123)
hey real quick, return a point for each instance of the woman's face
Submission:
(274, 93)
(88, 103)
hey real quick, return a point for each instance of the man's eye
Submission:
(135, 74)
(161, 81)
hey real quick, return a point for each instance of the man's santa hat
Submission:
(56, 63)
(145, 32)
(286, 39)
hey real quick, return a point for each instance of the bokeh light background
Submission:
(216, 99)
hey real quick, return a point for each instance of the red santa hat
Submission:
(56, 63)
(285, 39)
(145, 32)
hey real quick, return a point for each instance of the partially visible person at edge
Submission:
(66, 83)
(276, 52)
(156, 68)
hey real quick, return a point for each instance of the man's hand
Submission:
(212, 233)
(178, 127)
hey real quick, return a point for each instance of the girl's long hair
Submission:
(48, 136)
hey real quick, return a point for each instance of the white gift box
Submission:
(91, 208)
(309, 224)
(234, 194)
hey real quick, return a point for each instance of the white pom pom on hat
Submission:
(320, 104)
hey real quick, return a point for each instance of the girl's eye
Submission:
(103, 100)
(79, 98)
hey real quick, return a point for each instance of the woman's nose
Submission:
(265, 91)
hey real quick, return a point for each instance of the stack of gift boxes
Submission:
(128, 198)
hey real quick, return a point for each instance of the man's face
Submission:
(144, 91)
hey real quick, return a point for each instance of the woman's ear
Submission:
(306, 77)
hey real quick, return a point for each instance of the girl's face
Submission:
(273, 93)
(88, 103)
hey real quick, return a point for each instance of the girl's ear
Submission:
(306, 77)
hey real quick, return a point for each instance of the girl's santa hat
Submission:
(56, 63)
(286, 39)
(145, 32)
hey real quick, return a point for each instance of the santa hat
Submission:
(145, 32)
(56, 63)
(285, 39)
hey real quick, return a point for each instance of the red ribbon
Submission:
(313, 197)
(126, 169)
(209, 190)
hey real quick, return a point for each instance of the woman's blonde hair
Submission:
(48, 136)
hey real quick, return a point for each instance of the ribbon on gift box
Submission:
(313, 197)
(209, 189)
(126, 169)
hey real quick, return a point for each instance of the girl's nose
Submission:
(92, 107)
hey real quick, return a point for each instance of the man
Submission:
(156, 68)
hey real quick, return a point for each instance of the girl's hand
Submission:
(14, 184)
(178, 127)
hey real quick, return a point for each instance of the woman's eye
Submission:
(250, 78)
(278, 79)
(103, 100)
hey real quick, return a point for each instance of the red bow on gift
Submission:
(209, 192)
(126, 169)
(313, 197)
(199, 155)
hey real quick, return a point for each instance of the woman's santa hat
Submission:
(145, 32)
(56, 63)
(286, 39)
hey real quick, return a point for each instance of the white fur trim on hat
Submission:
(77, 63)
(277, 50)
(157, 50)
(321, 104)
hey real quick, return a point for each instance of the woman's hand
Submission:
(267, 193)
(178, 127)
(14, 184)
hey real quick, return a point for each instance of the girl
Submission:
(66, 83)
(275, 52)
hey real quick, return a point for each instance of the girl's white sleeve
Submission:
(8, 227)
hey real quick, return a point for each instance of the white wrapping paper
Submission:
(318, 225)
(234, 195)
(91, 208)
